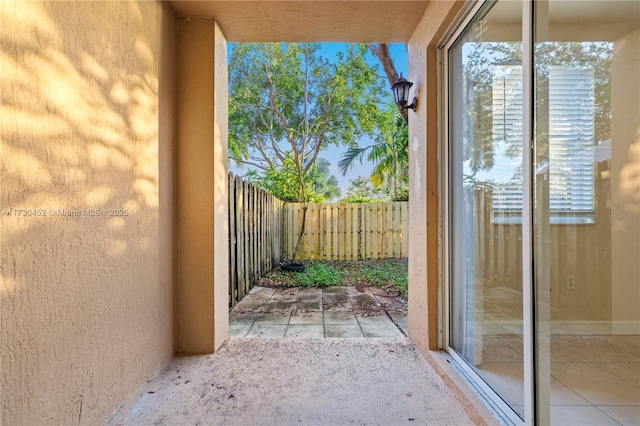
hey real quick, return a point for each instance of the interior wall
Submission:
(580, 251)
(87, 125)
(625, 183)
(202, 187)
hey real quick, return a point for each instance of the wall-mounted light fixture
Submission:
(400, 91)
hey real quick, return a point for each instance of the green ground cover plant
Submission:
(390, 274)
(319, 275)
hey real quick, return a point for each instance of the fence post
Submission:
(233, 288)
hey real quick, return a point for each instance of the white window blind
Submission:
(571, 139)
(507, 135)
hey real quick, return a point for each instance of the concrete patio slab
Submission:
(314, 306)
(309, 297)
(271, 318)
(356, 309)
(239, 330)
(306, 318)
(276, 307)
(336, 302)
(380, 326)
(401, 320)
(305, 331)
(334, 290)
(390, 304)
(374, 320)
(335, 297)
(337, 307)
(242, 317)
(366, 303)
(297, 381)
(377, 291)
(357, 289)
(310, 292)
(342, 318)
(380, 330)
(249, 306)
(273, 331)
(262, 291)
(343, 330)
(285, 295)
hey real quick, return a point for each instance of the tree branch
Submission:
(274, 106)
(305, 138)
(248, 163)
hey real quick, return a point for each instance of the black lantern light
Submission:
(400, 91)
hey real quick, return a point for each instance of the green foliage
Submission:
(362, 191)
(319, 275)
(283, 183)
(287, 103)
(323, 183)
(390, 154)
(389, 273)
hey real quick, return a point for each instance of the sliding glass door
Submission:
(542, 208)
(485, 176)
(586, 211)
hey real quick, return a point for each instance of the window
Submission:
(571, 133)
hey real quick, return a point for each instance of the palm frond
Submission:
(347, 159)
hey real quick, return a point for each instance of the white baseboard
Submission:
(574, 327)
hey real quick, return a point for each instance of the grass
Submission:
(390, 274)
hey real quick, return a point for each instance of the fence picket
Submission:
(255, 236)
(347, 231)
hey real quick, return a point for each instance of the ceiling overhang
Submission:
(309, 20)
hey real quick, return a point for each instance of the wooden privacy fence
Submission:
(263, 231)
(347, 231)
(255, 232)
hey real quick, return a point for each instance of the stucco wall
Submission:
(423, 175)
(87, 122)
(203, 229)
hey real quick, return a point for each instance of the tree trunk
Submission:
(382, 52)
(302, 229)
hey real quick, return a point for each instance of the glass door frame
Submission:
(529, 334)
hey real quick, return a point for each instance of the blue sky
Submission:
(329, 50)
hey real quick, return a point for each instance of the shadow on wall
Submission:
(86, 283)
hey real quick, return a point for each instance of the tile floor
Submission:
(319, 313)
(594, 379)
(593, 374)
